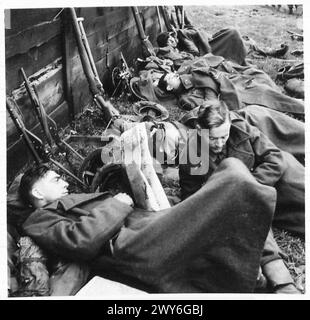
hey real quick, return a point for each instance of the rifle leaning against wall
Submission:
(33, 143)
(89, 68)
(167, 21)
(161, 29)
(147, 47)
(47, 123)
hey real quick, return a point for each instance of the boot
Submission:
(276, 53)
(279, 278)
(291, 71)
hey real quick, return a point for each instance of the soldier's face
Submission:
(50, 187)
(173, 81)
(218, 137)
(172, 41)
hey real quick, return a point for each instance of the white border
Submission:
(90, 3)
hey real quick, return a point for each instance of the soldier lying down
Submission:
(203, 244)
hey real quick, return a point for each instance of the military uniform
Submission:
(268, 164)
(202, 244)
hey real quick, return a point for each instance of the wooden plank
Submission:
(59, 114)
(34, 36)
(32, 61)
(109, 23)
(51, 94)
(99, 40)
(67, 32)
(80, 88)
(123, 37)
(81, 96)
(98, 47)
(150, 12)
(22, 19)
(152, 30)
(14, 160)
(117, 27)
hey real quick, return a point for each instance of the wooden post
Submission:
(67, 66)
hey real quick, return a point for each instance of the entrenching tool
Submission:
(47, 123)
(34, 143)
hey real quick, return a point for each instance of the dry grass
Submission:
(266, 25)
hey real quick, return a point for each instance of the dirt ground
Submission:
(268, 27)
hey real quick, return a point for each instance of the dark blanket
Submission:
(211, 242)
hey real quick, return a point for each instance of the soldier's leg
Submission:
(290, 209)
(287, 133)
(228, 43)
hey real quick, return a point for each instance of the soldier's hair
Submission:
(162, 83)
(212, 114)
(162, 39)
(29, 178)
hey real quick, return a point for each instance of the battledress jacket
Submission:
(253, 148)
(238, 86)
(269, 165)
(67, 226)
(166, 251)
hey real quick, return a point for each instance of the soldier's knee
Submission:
(236, 170)
(234, 32)
(233, 164)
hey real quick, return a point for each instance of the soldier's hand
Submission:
(125, 198)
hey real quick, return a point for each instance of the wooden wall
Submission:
(46, 48)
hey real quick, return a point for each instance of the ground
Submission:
(268, 27)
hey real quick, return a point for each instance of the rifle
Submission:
(166, 18)
(161, 29)
(147, 47)
(89, 68)
(181, 17)
(48, 124)
(33, 143)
